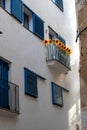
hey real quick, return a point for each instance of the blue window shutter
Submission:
(38, 26)
(30, 83)
(52, 88)
(59, 3)
(4, 93)
(16, 9)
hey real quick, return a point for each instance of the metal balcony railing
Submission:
(9, 96)
(55, 53)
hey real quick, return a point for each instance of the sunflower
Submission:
(50, 41)
(56, 41)
(68, 50)
(46, 42)
(60, 44)
(63, 46)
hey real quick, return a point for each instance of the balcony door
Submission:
(4, 95)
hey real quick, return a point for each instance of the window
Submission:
(38, 26)
(62, 55)
(61, 39)
(26, 21)
(33, 22)
(54, 52)
(27, 18)
(52, 34)
(5, 4)
(30, 83)
(30, 79)
(2, 3)
(57, 95)
(59, 3)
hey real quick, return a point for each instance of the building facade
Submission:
(39, 81)
(81, 7)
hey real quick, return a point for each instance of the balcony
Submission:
(57, 58)
(9, 96)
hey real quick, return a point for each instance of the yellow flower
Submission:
(68, 50)
(56, 41)
(60, 44)
(63, 46)
(46, 42)
(50, 41)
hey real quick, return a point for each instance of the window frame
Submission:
(53, 85)
(27, 18)
(33, 20)
(61, 7)
(29, 13)
(61, 39)
(52, 34)
(26, 86)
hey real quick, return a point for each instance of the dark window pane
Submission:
(57, 96)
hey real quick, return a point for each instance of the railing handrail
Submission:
(9, 95)
(9, 82)
(56, 53)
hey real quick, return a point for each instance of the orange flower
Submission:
(63, 46)
(68, 50)
(46, 42)
(50, 41)
(57, 41)
(59, 44)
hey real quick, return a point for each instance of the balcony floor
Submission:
(58, 66)
(8, 113)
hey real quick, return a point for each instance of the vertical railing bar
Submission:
(15, 99)
(13, 104)
(18, 98)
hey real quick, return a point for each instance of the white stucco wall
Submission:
(23, 49)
